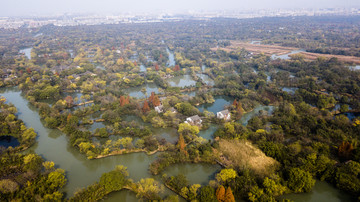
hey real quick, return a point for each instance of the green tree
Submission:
(300, 180)
(185, 128)
(207, 194)
(114, 180)
(148, 188)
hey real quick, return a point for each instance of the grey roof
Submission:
(195, 118)
(224, 112)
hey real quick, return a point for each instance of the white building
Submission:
(159, 109)
(194, 120)
(225, 114)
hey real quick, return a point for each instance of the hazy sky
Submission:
(46, 7)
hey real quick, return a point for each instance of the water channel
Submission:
(53, 145)
(286, 56)
(171, 58)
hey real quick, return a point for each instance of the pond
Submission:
(218, 105)
(181, 81)
(142, 68)
(169, 134)
(8, 141)
(26, 52)
(189, 93)
(75, 96)
(290, 90)
(206, 79)
(137, 92)
(286, 56)
(195, 173)
(322, 191)
(255, 112)
(94, 126)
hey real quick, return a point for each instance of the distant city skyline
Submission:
(11, 8)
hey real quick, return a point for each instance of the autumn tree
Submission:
(176, 68)
(229, 197)
(124, 100)
(154, 99)
(68, 118)
(235, 103)
(157, 67)
(146, 107)
(345, 150)
(220, 193)
(69, 101)
(181, 143)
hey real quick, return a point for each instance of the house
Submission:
(194, 120)
(225, 114)
(159, 109)
(173, 110)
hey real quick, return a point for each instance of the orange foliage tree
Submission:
(345, 150)
(146, 107)
(124, 100)
(176, 68)
(69, 101)
(154, 99)
(229, 197)
(220, 193)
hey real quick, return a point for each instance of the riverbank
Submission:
(127, 151)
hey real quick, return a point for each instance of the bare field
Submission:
(242, 154)
(281, 50)
(342, 58)
(257, 48)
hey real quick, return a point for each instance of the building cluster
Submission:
(75, 20)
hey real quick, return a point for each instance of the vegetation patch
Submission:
(243, 155)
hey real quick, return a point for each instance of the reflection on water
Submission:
(286, 56)
(142, 68)
(171, 58)
(357, 67)
(7, 141)
(208, 133)
(322, 191)
(181, 81)
(255, 112)
(206, 79)
(26, 52)
(290, 90)
(137, 92)
(195, 173)
(218, 105)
